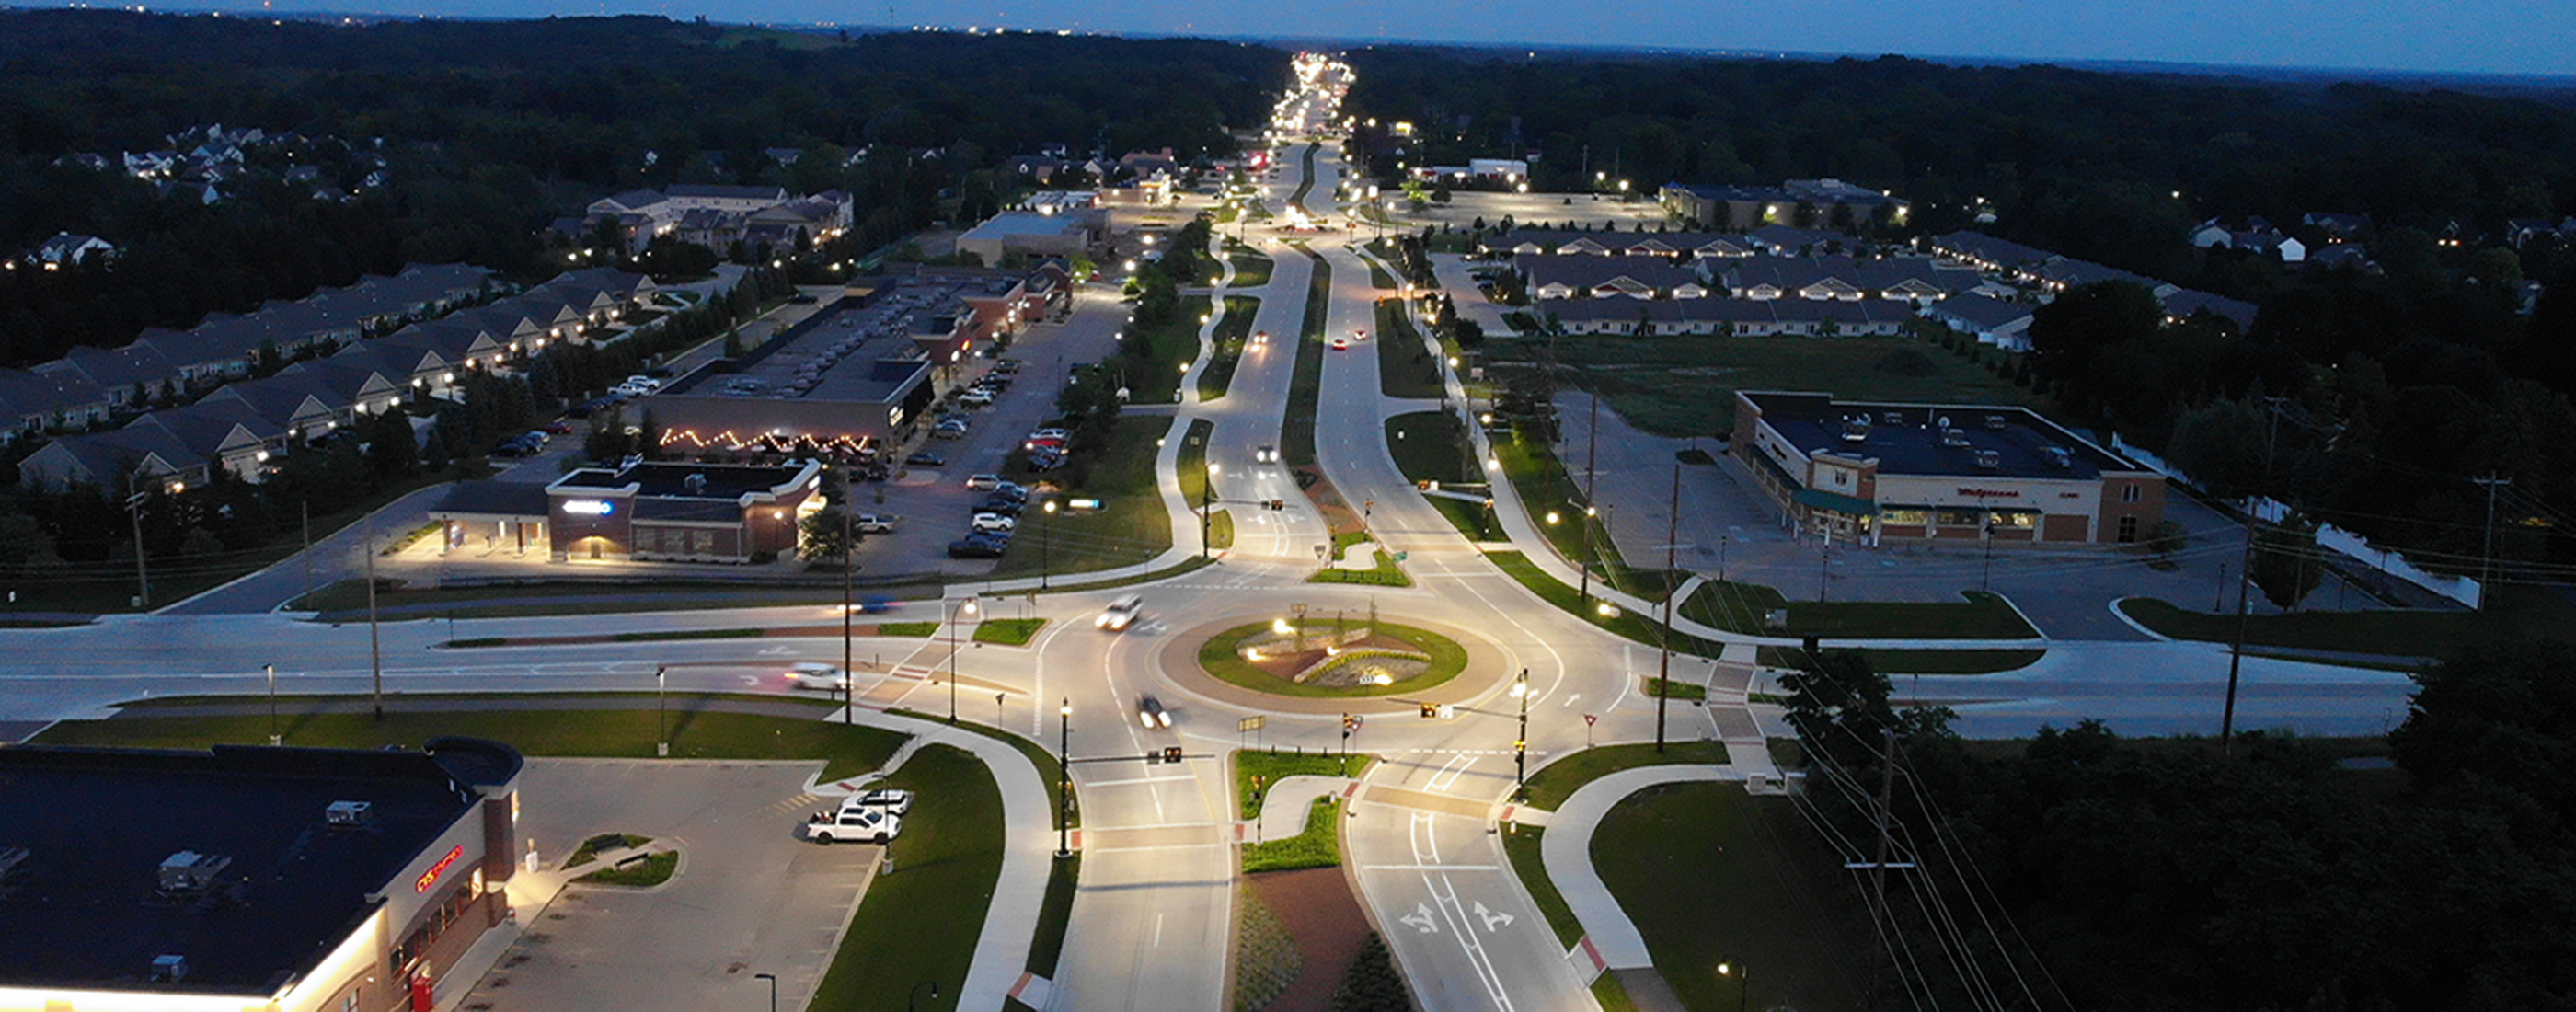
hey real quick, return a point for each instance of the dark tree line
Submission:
(2165, 876)
(491, 129)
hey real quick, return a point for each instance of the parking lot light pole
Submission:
(1046, 544)
(661, 713)
(967, 609)
(849, 561)
(274, 738)
(773, 988)
(1743, 979)
(1520, 745)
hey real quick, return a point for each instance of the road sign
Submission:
(1590, 719)
(1251, 723)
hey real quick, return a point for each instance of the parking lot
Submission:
(750, 896)
(934, 502)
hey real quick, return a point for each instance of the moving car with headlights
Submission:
(1120, 614)
(1150, 712)
(817, 675)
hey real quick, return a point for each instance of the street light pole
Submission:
(274, 738)
(913, 1000)
(142, 578)
(1064, 780)
(375, 637)
(1743, 979)
(661, 713)
(1520, 745)
(773, 988)
(1046, 545)
(849, 561)
(1208, 471)
(964, 608)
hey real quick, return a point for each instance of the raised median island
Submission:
(1318, 657)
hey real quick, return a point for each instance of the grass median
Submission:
(1227, 346)
(1618, 621)
(1306, 380)
(1251, 270)
(1431, 446)
(1744, 607)
(1258, 770)
(1405, 365)
(1320, 846)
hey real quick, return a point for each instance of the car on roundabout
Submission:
(1120, 614)
(1150, 712)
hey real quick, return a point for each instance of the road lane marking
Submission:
(1131, 781)
(1492, 918)
(1430, 867)
(1444, 896)
(1450, 771)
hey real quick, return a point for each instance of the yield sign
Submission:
(1591, 719)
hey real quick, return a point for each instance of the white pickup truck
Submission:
(856, 819)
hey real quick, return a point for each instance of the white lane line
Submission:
(1444, 895)
(1158, 931)
(1430, 867)
(1129, 781)
(1151, 825)
(1450, 772)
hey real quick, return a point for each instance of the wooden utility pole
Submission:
(375, 638)
(2486, 554)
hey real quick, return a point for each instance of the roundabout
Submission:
(1330, 665)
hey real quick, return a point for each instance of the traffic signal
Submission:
(1350, 723)
(1430, 711)
(1172, 754)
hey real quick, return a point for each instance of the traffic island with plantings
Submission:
(642, 871)
(1251, 270)
(1256, 771)
(1009, 632)
(1384, 573)
(1327, 658)
(1320, 846)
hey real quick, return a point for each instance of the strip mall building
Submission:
(1868, 472)
(249, 878)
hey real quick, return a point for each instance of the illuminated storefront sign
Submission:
(589, 507)
(430, 878)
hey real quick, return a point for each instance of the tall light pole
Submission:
(773, 988)
(375, 637)
(1584, 592)
(1208, 470)
(274, 738)
(1046, 544)
(1064, 780)
(965, 609)
(1744, 982)
(1520, 745)
(1591, 478)
(913, 1000)
(849, 561)
(661, 713)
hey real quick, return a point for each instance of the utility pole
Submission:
(1886, 799)
(1664, 673)
(134, 501)
(1064, 780)
(2486, 554)
(2245, 579)
(274, 738)
(375, 637)
(1591, 475)
(306, 506)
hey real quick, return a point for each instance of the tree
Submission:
(822, 538)
(391, 453)
(2076, 340)
(2503, 716)
(2285, 561)
(2220, 445)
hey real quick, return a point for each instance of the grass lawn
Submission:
(1378, 277)
(1037, 755)
(1219, 657)
(1522, 846)
(1231, 333)
(1625, 623)
(1405, 367)
(1306, 381)
(346, 600)
(1384, 574)
(2514, 614)
(1272, 766)
(1157, 380)
(1063, 876)
(920, 922)
(1009, 632)
(1740, 607)
(1685, 386)
(1550, 785)
(1710, 875)
(653, 870)
(1431, 446)
(1651, 686)
(1319, 846)
(1129, 528)
(1547, 489)
(1474, 520)
(1251, 270)
(1912, 661)
(689, 634)
(591, 847)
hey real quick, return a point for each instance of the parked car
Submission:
(1001, 504)
(1013, 489)
(1046, 458)
(994, 522)
(1150, 712)
(1120, 614)
(560, 428)
(925, 459)
(1006, 366)
(876, 523)
(977, 398)
(1041, 435)
(853, 821)
(890, 799)
(817, 675)
(977, 548)
(954, 428)
(983, 482)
